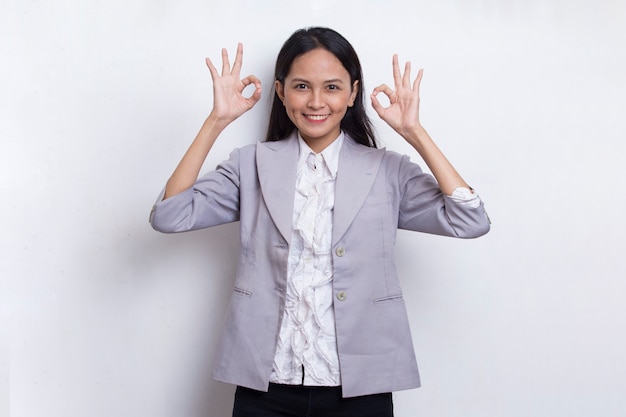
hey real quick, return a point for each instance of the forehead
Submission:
(318, 64)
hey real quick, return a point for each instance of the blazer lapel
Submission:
(358, 166)
(276, 167)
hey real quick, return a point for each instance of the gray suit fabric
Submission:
(377, 192)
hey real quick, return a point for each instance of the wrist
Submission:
(215, 122)
(417, 137)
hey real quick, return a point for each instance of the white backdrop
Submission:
(100, 316)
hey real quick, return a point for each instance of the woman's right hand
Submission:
(228, 100)
(228, 104)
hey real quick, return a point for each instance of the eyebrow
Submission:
(334, 80)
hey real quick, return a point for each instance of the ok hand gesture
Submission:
(228, 100)
(402, 114)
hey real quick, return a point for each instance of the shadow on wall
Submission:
(212, 254)
(173, 300)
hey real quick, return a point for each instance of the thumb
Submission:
(378, 108)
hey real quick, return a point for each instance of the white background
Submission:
(101, 316)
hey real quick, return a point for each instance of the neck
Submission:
(318, 145)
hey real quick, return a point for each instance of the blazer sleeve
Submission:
(212, 200)
(423, 206)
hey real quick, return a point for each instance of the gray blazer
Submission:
(377, 192)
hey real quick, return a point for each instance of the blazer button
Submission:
(340, 251)
(341, 295)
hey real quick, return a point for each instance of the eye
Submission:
(333, 87)
(300, 86)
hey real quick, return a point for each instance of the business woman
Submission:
(317, 324)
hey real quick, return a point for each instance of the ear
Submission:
(280, 90)
(355, 91)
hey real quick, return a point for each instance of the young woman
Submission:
(317, 323)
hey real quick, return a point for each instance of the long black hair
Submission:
(355, 123)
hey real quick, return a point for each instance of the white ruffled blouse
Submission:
(307, 346)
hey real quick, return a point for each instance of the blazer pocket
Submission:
(387, 299)
(242, 293)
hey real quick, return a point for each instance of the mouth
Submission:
(317, 118)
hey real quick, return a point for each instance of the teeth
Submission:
(316, 117)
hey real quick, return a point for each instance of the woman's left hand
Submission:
(402, 114)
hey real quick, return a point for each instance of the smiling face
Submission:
(316, 94)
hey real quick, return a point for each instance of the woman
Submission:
(317, 324)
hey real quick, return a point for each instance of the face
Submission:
(316, 94)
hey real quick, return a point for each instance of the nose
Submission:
(315, 99)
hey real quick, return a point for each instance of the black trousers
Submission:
(304, 401)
